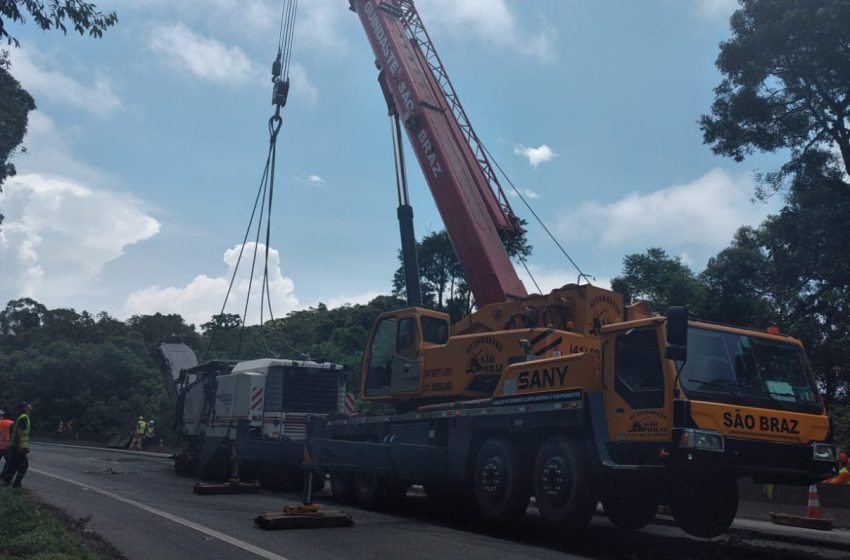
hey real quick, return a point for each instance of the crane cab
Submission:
(393, 362)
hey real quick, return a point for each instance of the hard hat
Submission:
(141, 417)
(151, 422)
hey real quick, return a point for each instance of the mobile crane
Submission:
(570, 396)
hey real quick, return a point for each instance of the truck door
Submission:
(639, 403)
(405, 360)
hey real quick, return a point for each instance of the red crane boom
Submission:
(469, 198)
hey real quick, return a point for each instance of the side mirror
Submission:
(677, 326)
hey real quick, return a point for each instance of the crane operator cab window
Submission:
(637, 363)
(435, 330)
(405, 362)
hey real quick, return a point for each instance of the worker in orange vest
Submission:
(5, 439)
(843, 476)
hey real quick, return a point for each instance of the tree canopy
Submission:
(15, 102)
(83, 17)
(785, 75)
(442, 281)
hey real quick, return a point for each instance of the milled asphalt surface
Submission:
(136, 502)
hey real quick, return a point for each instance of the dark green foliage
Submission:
(15, 105)
(786, 69)
(441, 277)
(159, 328)
(738, 282)
(660, 280)
(321, 334)
(97, 372)
(82, 16)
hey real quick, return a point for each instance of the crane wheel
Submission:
(563, 484)
(502, 482)
(374, 491)
(342, 487)
(706, 506)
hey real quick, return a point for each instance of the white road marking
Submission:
(261, 552)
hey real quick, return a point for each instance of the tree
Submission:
(740, 283)
(15, 105)
(15, 101)
(786, 69)
(442, 281)
(83, 16)
(660, 280)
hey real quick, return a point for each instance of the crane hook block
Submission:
(280, 92)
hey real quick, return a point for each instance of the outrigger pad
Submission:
(797, 521)
(232, 487)
(303, 517)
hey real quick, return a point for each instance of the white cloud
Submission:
(490, 21)
(204, 57)
(301, 85)
(34, 72)
(49, 154)
(59, 234)
(527, 193)
(535, 156)
(711, 9)
(312, 180)
(202, 298)
(320, 26)
(696, 219)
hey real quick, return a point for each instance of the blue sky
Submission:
(146, 150)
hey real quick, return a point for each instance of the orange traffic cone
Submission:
(813, 511)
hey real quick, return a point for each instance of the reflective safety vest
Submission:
(150, 431)
(5, 433)
(21, 432)
(140, 427)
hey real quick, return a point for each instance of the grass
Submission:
(29, 531)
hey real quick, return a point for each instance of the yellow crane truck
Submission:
(569, 397)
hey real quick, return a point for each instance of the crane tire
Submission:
(342, 487)
(564, 488)
(502, 481)
(706, 506)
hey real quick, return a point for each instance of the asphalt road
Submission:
(135, 502)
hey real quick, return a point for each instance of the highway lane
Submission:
(136, 503)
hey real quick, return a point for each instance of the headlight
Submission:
(700, 439)
(824, 452)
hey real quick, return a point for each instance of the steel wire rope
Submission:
(539, 220)
(285, 40)
(260, 192)
(280, 72)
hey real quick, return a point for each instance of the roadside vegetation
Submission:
(30, 531)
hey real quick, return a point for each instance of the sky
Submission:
(144, 156)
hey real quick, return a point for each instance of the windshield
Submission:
(748, 370)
